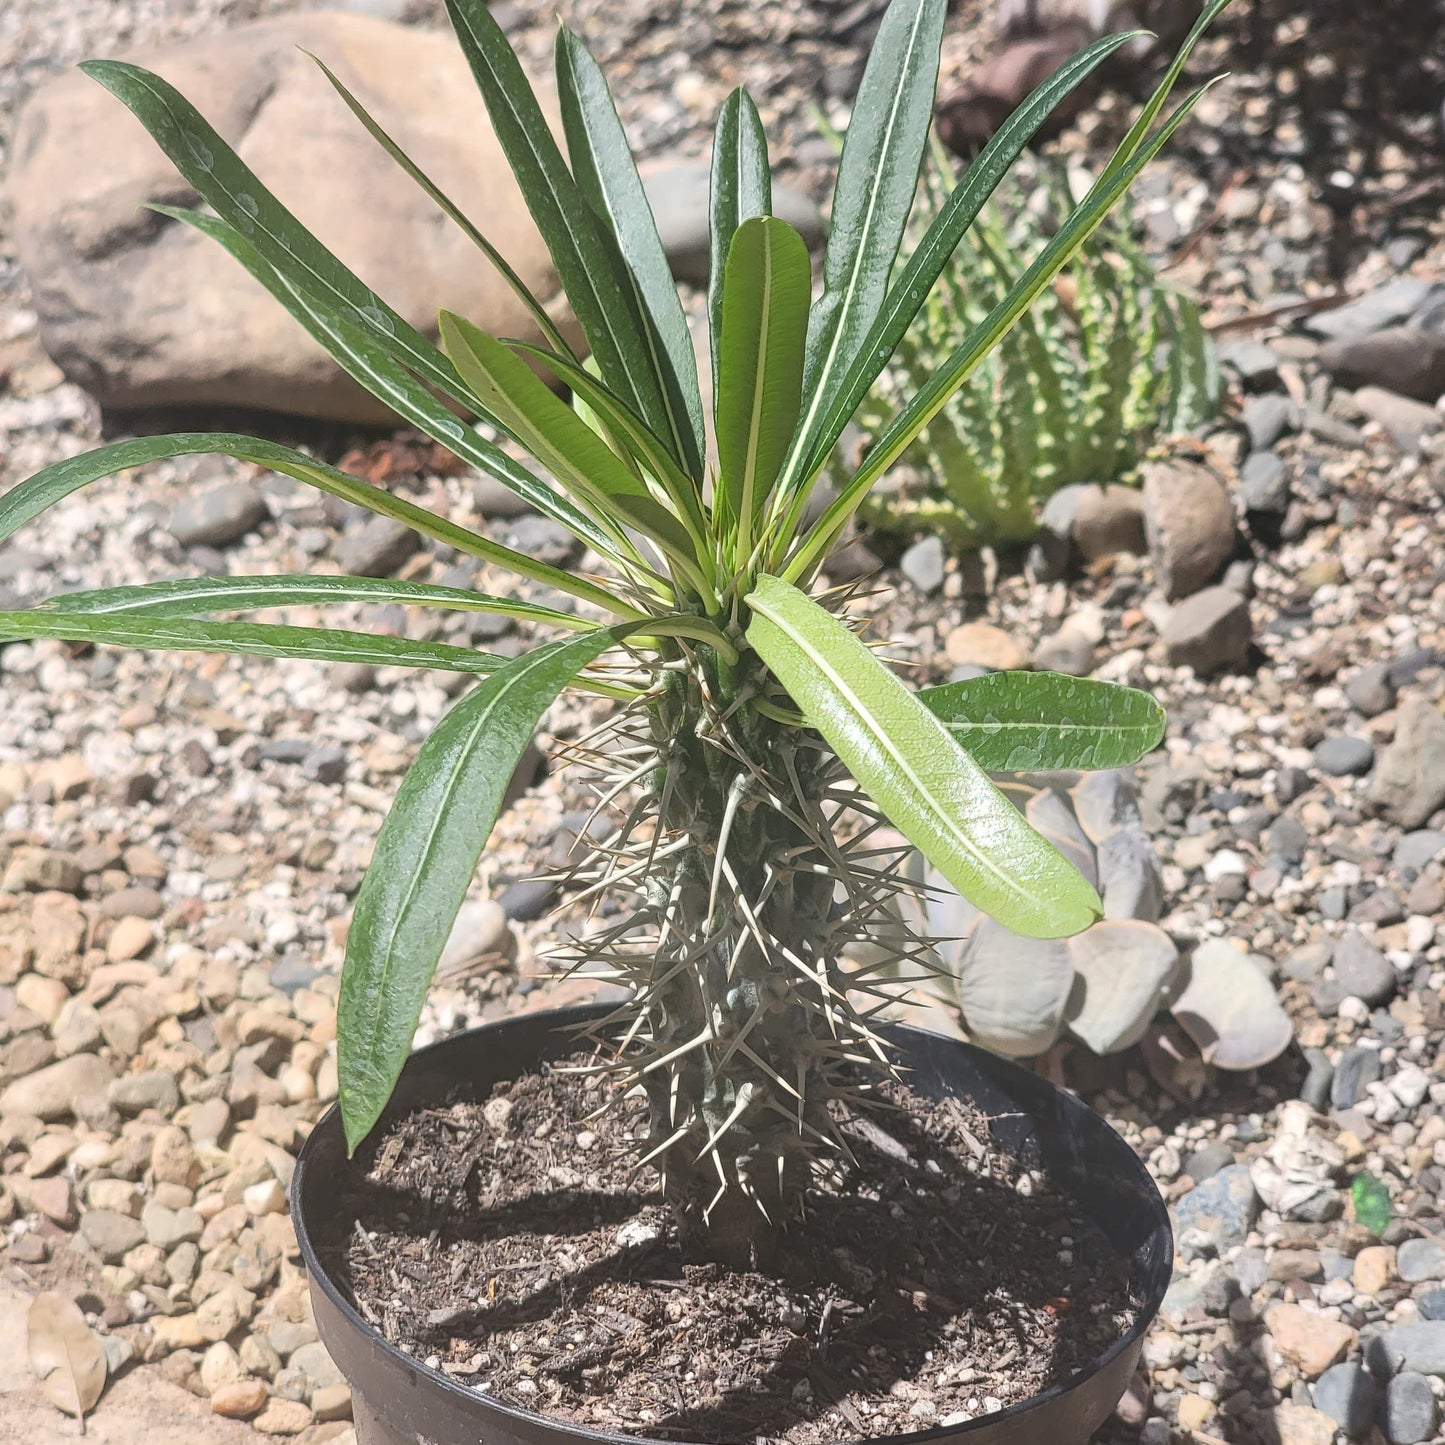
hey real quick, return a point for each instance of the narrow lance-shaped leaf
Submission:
(23, 503)
(425, 856)
(765, 311)
(959, 366)
(877, 177)
(909, 764)
(203, 596)
(588, 261)
(606, 173)
(741, 188)
(835, 403)
(1022, 722)
(251, 639)
(559, 439)
(623, 424)
(229, 186)
(449, 208)
(392, 384)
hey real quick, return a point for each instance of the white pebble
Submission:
(1410, 1085)
(267, 1197)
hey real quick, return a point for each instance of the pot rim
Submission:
(579, 1015)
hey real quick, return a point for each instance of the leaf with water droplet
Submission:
(1372, 1203)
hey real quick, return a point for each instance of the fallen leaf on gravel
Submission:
(66, 1354)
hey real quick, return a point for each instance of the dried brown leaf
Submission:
(66, 1354)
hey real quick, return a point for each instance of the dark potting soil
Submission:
(509, 1244)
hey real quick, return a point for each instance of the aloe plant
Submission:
(764, 736)
(1106, 362)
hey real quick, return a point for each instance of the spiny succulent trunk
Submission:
(745, 983)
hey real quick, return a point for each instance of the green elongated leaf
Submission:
(559, 439)
(1037, 722)
(228, 185)
(741, 188)
(606, 173)
(450, 209)
(909, 764)
(202, 596)
(831, 406)
(959, 366)
(250, 639)
(1155, 104)
(588, 262)
(625, 426)
(27, 501)
(759, 384)
(371, 365)
(877, 178)
(426, 854)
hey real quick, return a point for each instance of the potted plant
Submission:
(768, 740)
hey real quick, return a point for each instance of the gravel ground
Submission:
(180, 838)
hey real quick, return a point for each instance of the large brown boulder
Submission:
(142, 311)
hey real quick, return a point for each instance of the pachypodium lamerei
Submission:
(767, 740)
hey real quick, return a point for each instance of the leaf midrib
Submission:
(846, 692)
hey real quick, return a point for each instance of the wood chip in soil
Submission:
(508, 1243)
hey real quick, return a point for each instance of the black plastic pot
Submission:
(398, 1401)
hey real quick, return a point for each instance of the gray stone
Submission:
(1287, 838)
(1399, 359)
(313, 1361)
(1209, 631)
(1315, 1091)
(497, 502)
(1251, 1269)
(678, 192)
(1346, 1393)
(1067, 651)
(544, 539)
(1321, 1207)
(527, 899)
(1205, 1163)
(220, 516)
(1252, 361)
(50, 1093)
(111, 1234)
(1267, 418)
(324, 765)
(480, 930)
(1308, 962)
(376, 548)
(1415, 850)
(166, 1228)
(1345, 756)
(1185, 1294)
(1355, 1071)
(1431, 1304)
(1108, 520)
(1189, 524)
(1409, 781)
(1410, 1410)
(1396, 301)
(154, 1089)
(1264, 484)
(1221, 1210)
(145, 311)
(1420, 1259)
(1370, 690)
(923, 564)
(1291, 783)
(1364, 971)
(1418, 1346)
(1404, 419)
